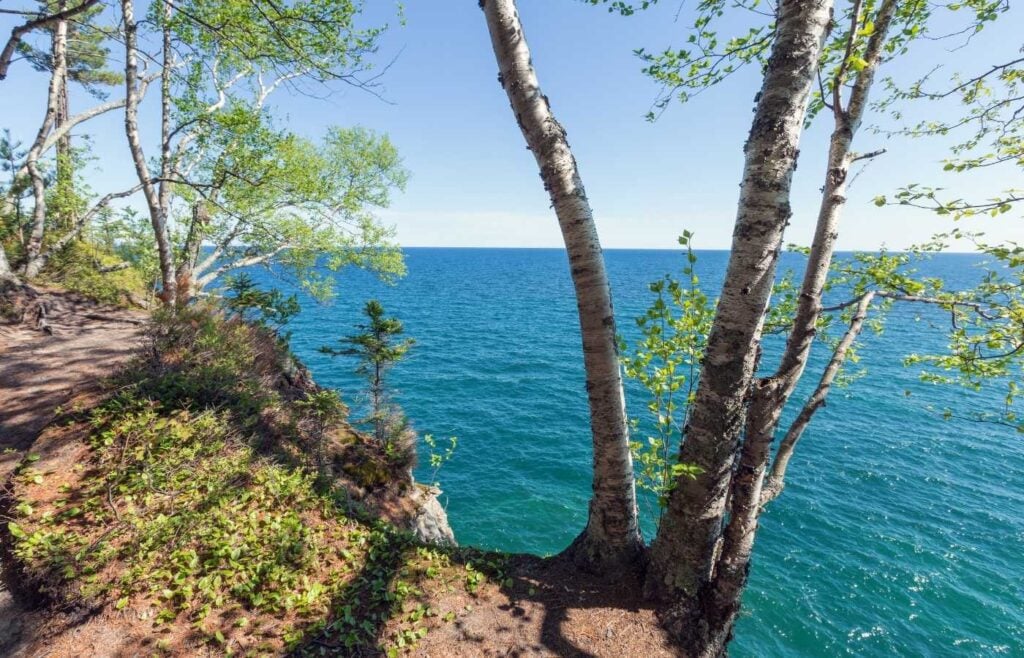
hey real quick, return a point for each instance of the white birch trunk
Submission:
(157, 214)
(6, 273)
(770, 395)
(612, 535)
(34, 266)
(776, 481)
(53, 96)
(833, 200)
(684, 552)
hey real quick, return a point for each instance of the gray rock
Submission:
(431, 524)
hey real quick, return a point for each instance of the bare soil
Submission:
(544, 607)
(42, 366)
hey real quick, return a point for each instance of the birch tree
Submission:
(240, 176)
(684, 552)
(611, 537)
(156, 199)
(701, 555)
(37, 20)
(58, 78)
(86, 61)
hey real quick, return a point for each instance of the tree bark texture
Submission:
(685, 551)
(53, 95)
(612, 535)
(157, 213)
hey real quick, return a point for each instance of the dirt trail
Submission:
(40, 371)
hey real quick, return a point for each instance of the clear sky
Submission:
(475, 184)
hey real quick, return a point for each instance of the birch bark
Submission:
(157, 213)
(53, 95)
(6, 273)
(612, 535)
(776, 481)
(685, 550)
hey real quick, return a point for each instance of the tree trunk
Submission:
(57, 76)
(157, 213)
(65, 173)
(685, 551)
(65, 166)
(833, 200)
(19, 32)
(612, 535)
(186, 272)
(34, 266)
(770, 394)
(6, 273)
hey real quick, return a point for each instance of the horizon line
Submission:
(680, 249)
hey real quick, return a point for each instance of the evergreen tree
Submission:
(377, 347)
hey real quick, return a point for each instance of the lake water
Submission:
(899, 533)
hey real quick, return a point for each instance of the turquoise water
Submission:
(898, 533)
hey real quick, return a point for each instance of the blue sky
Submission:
(475, 184)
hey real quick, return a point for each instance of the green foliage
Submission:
(987, 132)
(316, 38)
(88, 268)
(285, 200)
(377, 348)
(666, 362)
(985, 328)
(262, 307)
(12, 158)
(710, 57)
(87, 50)
(323, 410)
(202, 359)
(179, 513)
(275, 197)
(439, 456)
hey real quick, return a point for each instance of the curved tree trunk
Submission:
(57, 78)
(33, 267)
(157, 213)
(687, 546)
(612, 535)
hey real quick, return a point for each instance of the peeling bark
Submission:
(833, 200)
(719, 597)
(683, 553)
(612, 536)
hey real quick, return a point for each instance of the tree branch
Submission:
(776, 481)
(19, 32)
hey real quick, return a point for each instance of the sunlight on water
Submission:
(898, 533)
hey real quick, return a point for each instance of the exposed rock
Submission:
(431, 523)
